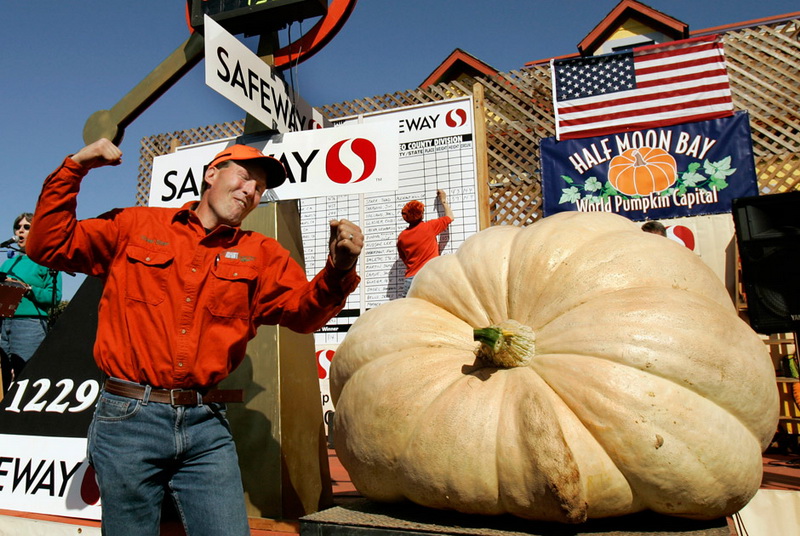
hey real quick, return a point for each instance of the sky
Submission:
(64, 60)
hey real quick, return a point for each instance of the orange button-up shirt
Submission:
(178, 304)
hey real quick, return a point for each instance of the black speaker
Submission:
(768, 234)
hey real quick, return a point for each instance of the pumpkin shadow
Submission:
(394, 287)
(444, 236)
(369, 517)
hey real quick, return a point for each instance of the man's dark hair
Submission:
(655, 227)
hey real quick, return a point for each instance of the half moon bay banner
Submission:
(682, 170)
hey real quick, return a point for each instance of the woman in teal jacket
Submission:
(22, 333)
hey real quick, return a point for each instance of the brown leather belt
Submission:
(175, 397)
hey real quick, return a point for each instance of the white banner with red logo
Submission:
(324, 356)
(48, 475)
(351, 159)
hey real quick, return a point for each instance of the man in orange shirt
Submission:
(417, 244)
(184, 290)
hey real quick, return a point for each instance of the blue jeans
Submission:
(140, 450)
(407, 285)
(22, 335)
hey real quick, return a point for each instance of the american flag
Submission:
(651, 86)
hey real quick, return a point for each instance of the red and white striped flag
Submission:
(651, 86)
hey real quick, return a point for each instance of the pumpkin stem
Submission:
(639, 161)
(508, 344)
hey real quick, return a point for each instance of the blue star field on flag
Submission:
(594, 76)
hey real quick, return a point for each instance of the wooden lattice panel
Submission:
(519, 113)
(764, 69)
(513, 198)
(778, 173)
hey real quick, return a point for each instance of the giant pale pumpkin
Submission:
(624, 380)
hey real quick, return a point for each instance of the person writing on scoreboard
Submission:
(417, 244)
(184, 290)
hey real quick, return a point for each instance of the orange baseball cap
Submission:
(413, 211)
(276, 173)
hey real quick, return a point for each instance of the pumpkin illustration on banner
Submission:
(642, 171)
(577, 368)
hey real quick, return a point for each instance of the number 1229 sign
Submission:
(65, 399)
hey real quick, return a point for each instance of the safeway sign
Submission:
(351, 159)
(236, 73)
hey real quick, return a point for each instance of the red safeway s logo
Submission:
(324, 358)
(682, 235)
(351, 160)
(90, 491)
(456, 118)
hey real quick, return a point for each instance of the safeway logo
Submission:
(90, 491)
(324, 358)
(351, 160)
(682, 235)
(456, 118)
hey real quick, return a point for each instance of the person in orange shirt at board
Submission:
(417, 244)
